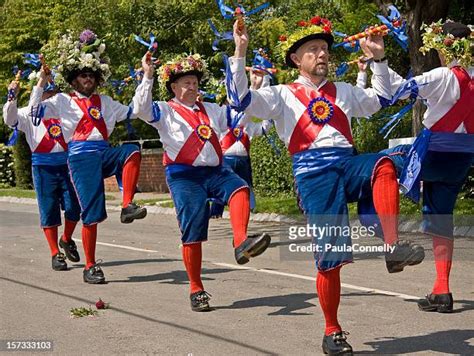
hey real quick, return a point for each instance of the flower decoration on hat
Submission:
(70, 56)
(453, 40)
(316, 28)
(180, 66)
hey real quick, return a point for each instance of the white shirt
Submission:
(440, 90)
(174, 130)
(280, 104)
(64, 107)
(21, 117)
(252, 129)
(361, 80)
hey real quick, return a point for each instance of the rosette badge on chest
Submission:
(320, 110)
(55, 131)
(237, 132)
(94, 113)
(204, 132)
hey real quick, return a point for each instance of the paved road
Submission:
(270, 307)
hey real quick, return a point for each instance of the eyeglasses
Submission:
(87, 75)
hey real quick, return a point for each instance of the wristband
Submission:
(383, 59)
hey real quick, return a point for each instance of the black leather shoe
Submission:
(336, 344)
(132, 212)
(70, 249)
(405, 254)
(253, 246)
(94, 275)
(58, 262)
(200, 301)
(441, 303)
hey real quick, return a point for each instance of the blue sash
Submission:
(319, 158)
(76, 147)
(430, 141)
(49, 159)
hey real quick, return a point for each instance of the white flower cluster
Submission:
(72, 57)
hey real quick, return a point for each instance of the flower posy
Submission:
(316, 25)
(181, 65)
(86, 52)
(452, 48)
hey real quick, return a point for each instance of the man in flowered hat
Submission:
(88, 120)
(443, 151)
(312, 116)
(189, 131)
(50, 175)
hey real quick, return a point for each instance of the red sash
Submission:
(52, 136)
(306, 131)
(194, 144)
(463, 109)
(233, 136)
(92, 117)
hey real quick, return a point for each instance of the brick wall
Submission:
(152, 174)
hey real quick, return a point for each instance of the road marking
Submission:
(308, 278)
(278, 273)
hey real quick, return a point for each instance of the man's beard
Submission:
(320, 71)
(85, 91)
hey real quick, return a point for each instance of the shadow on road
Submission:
(449, 341)
(138, 261)
(173, 277)
(288, 304)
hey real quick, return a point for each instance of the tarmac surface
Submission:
(268, 306)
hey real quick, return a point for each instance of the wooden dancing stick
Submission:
(382, 30)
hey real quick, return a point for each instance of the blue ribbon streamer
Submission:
(409, 87)
(13, 137)
(156, 112)
(228, 13)
(257, 9)
(32, 59)
(37, 113)
(220, 36)
(230, 83)
(350, 47)
(150, 45)
(233, 122)
(342, 69)
(399, 33)
(131, 133)
(271, 141)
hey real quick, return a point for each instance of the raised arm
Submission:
(143, 100)
(263, 103)
(10, 109)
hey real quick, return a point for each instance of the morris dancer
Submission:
(194, 171)
(50, 175)
(236, 143)
(443, 152)
(88, 120)
(312, 116)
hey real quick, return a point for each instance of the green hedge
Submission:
(272, 175)
(22, 157)
(7, 175)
